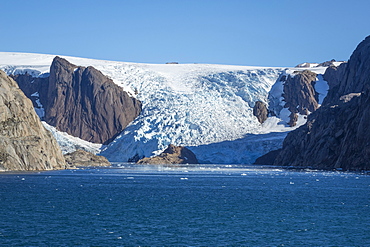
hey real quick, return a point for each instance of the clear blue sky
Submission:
(243, 32)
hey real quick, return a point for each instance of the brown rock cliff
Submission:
(300, 95)
(260, 111)
(81, 101)
(85, 103)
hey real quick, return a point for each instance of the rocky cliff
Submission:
(35, 89)
(24, 143)
(300, 95)
(260, 111)
(333, 75)
(172, 155)
(84, 158)
(81, 101)
(337, 134)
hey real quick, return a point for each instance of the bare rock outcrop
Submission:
(260, 111)
(24, 142)
(84, 158)
(85, 103)
(326, 63)
(172, 155)
(300, 95)
(337, 135)
(35, 88)
(81, 101)
(333, 75)
(304, 65)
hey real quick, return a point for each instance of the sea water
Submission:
(130, 205)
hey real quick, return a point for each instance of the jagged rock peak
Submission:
(300, 95)
(85, 103)
(327, 63)
(356, 78)
(172, 155)
(24, 143)
(61, 62)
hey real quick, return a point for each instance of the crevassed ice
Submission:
(197, 110)
(70, 143)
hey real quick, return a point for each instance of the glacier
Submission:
(205, 107)
(69, 143)
(194, 108)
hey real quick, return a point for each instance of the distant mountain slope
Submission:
(207, 108)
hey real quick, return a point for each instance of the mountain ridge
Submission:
(336, 136)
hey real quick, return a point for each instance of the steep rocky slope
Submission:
(336, 135)
(300, 95)
(33, 87)
(24, 143)
(80, 101)
(297, 93)
(85, 103)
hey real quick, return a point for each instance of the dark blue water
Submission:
(211, 206)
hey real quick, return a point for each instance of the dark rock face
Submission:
(24, 142)
(82, 101)
(85, 103)
(267, 159)
(29, 84)
(84, 158)
(172, 155)
(337, 135)
(300, 95)
(333, 75)
(260, 111)
(34, 88)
